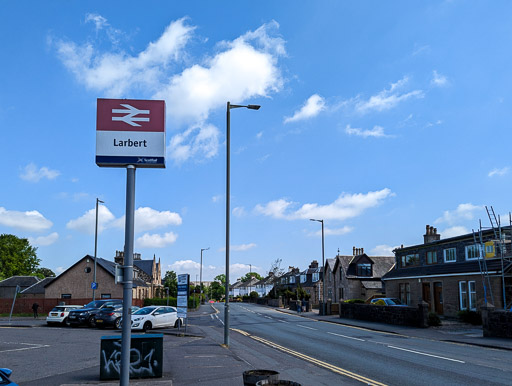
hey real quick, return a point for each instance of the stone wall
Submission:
(496, 323)
(403, 316)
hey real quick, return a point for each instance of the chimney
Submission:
(314, 264)
(119, 259)
(431, 235)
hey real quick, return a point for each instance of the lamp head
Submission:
(253, 107)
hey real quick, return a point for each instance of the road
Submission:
(368, 355)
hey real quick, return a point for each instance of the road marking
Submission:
(283, 321)
(429, 355)
(335, 369)
(36, 346)
(345, 336)
(240, 331)
(217, 316)
(269, 317)
(309, 328)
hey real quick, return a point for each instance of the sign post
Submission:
(129, 133)
(182, 300)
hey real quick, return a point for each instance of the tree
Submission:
(44, 272)
(250, 275)
(171, 281)
(17, 257)
(217, 290)
(221, 278)
(275, 268)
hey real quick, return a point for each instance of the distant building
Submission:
(8, 286)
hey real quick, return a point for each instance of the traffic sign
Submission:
(94, 285)
(130, 132)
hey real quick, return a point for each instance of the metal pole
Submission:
(167, 291)
(95, 248)
(226, 302)
(323, 264)
(201, 274)
(128, 275)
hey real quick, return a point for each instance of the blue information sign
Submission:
(94, 285)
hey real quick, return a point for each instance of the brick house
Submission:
(359, 276)
(453, 274)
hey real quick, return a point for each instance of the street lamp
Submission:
(323, 266)
(167, 292)
(228, 138)
(201, 274)
(95, 249)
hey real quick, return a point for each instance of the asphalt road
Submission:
(380, 357)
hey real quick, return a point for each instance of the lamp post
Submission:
(228, 138)
(323, 266)
(201, 274)
(167, 292)
(95, 248)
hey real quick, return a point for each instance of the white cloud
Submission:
(217, 198)
(383, 250)
(388, 98)
(147, 219)
(202, 140)
(376, 132)
(454, 231)
(115, 73)
(32, 174)
(99, 21)
(239, 248)
(499, 172)
(344, 207)
(59, 270)
(156, 240)
(464, 212)
(44, 240)
(313, 106)
(184, 266)
(239, 211)
(87, 222)
(333, 231)
(438, 79)
(259, 135)
(29, 221)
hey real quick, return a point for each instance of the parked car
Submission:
(87, 314)
(388, 302)
(111, 316)
(59, 314)
(151, 317)
(4, 377)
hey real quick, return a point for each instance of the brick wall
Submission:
(403, 316)
(496, 323)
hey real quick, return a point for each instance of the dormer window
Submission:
(302, 278)
(316, 276)
(364, 270)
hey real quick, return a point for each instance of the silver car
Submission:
(59, 314)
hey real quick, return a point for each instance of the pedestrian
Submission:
(35, 306)
(304, 305)
(298, 307)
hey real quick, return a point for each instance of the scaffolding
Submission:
(498, 246)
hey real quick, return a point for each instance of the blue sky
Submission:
(377, 117)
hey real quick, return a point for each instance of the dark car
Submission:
(87, 314)
(111, 316)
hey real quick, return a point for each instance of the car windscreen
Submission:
(395, 301)
(144, 311)
(94, 304)
(54, 309)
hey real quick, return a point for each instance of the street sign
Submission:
(94, 285)
(182, 300)
(130, 132)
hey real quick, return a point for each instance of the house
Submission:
(329, 279)
(358, 276)
(264, 286)
(310, 281)
(36, 290)
(149, 271)
(234, 289)
(8, 286)
(453, 274)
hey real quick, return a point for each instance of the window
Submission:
(432, 257)
(463, 295)
(316, 276)
(450, 255)
(364, 270)
(65, 296)
(106, 296)
(292, 279)
(489, 249)
(405, 293)
(472, 252)
(410, 260)
(302, 278)
(472, 295)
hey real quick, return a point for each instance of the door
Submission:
(426, 295)
(438, 298)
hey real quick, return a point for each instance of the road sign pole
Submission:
(128, 275)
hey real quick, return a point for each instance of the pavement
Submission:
(225, 366)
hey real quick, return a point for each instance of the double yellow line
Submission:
(317, 362)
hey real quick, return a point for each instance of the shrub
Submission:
(471, 317)
(379, 302)
(433, 319)
(352, 301)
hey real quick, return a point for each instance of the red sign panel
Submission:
(130, 115)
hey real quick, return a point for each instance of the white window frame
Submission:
(292, 279)
(463, 295)
(316, 276)
(303, 278)
(478, 249)
(472, 295)
(454, 255)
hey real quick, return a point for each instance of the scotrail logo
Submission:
(131, 115)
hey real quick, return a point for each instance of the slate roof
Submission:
(376, 284)
(144, 265)
(38, 288)
(381, 264)
(22, 281)
(493, 265)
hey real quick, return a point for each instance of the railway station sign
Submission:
(130, 132)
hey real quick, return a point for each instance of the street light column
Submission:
(201, 274)
(323, 266)
(95, 247)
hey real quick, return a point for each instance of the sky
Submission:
(377, 117)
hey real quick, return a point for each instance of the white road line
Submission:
(211, 316)
(282, 321)
(309, 328)
(35, 346)
(268, 317)
(429, 355)
(348, 337)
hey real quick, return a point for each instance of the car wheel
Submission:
(65, 322)
(146, 327)
(118, 323)
(92, 322)
(178, 323)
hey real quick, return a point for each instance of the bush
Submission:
(471, 317)
(379, 302)
(433, 319)
(352, 301)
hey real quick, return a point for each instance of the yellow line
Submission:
(326, 365)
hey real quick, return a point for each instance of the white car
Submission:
(59, 314)
(155, 317)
